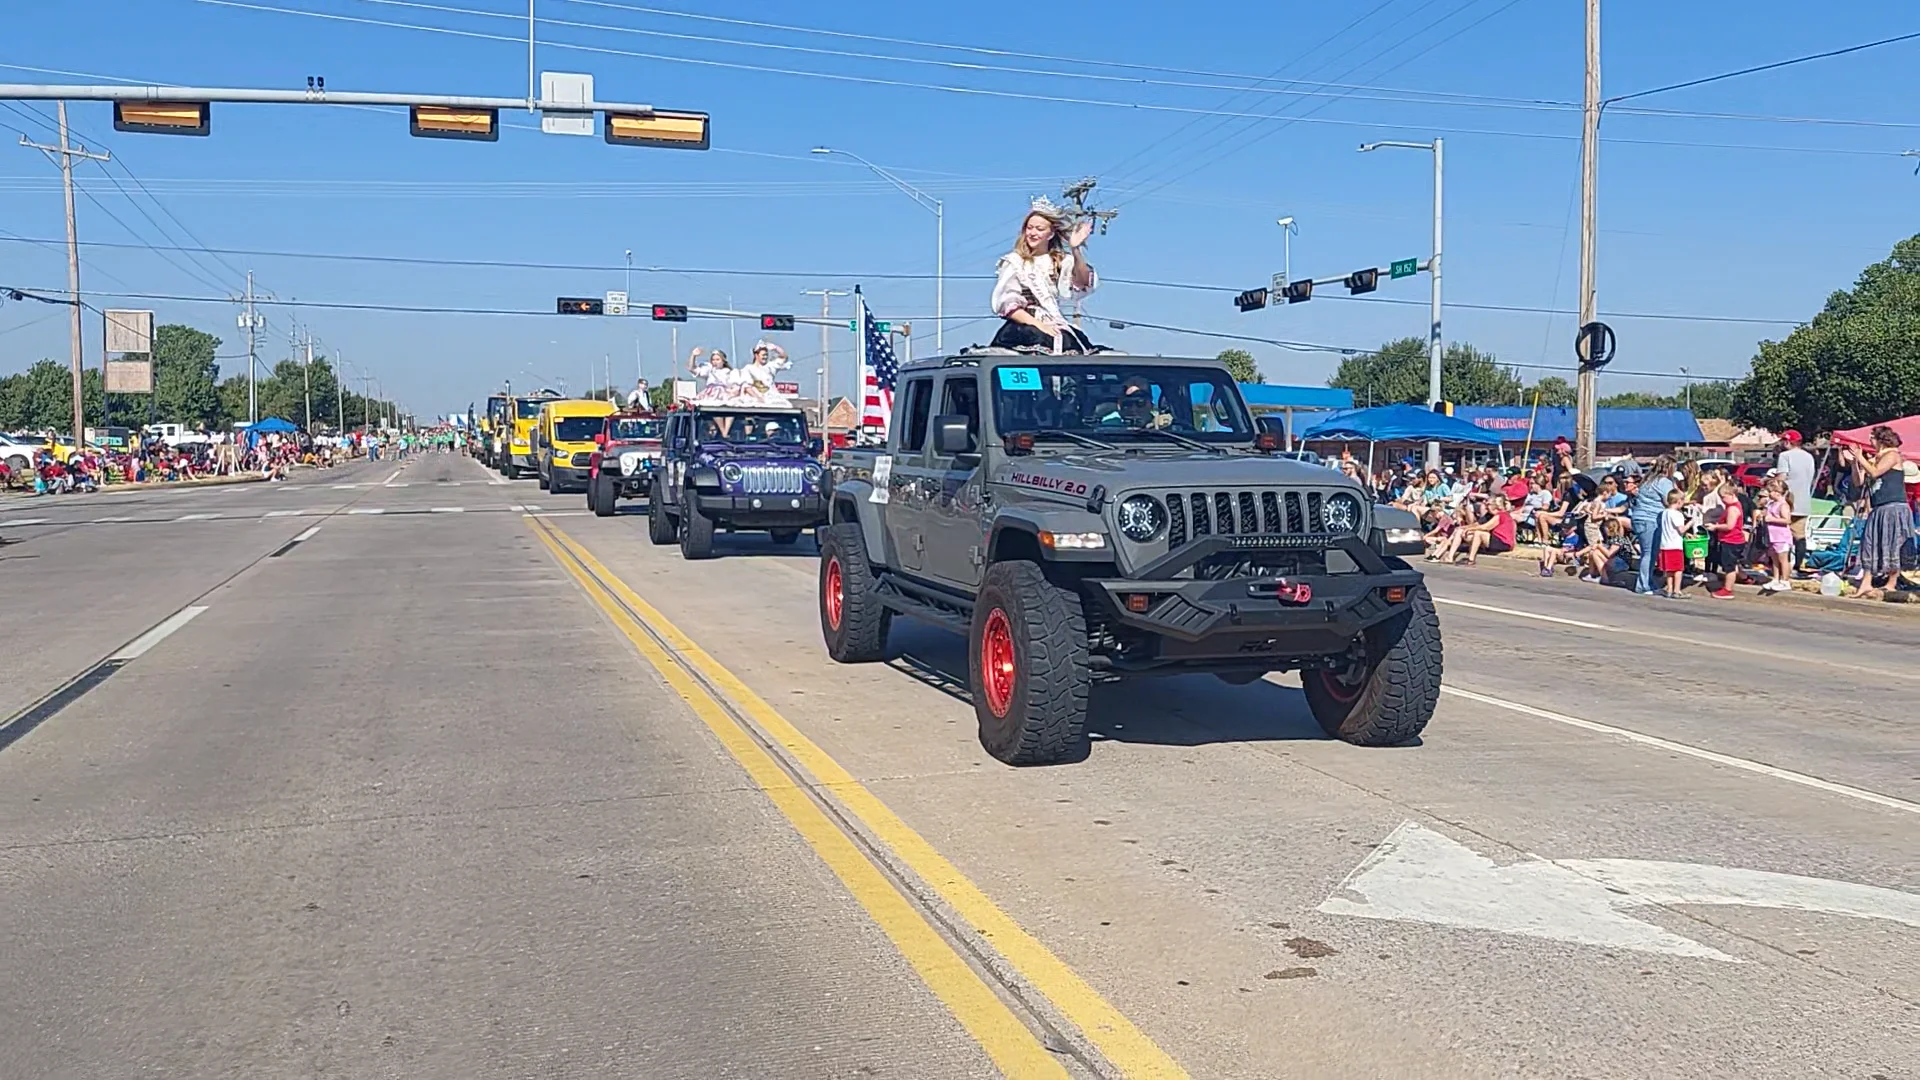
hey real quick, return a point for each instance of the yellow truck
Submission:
(564, 443)
(517, 432)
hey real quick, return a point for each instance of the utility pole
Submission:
(1585, 414)
(339, 396)
(306, 378)
(251, 323)
(66, 152)
(826, 341)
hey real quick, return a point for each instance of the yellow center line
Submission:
(1014, 1047)
(1117, 1038)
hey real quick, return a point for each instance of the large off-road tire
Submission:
(601, 496)
(852, 619)
(509, 470)
(1027, 659)
(696, 531)
(660, 525)
(1387, 700)
(784, 537)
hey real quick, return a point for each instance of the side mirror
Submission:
(600, 438)
(950, 435)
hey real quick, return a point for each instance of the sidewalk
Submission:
(1526, 559)
(152, 485)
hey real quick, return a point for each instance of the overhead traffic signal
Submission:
(1362, 281)
(776, 322)
(669, 313)
(1299, 292)
(1251, 300)
(581, 305)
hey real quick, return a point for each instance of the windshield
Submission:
(529, 408)
(628, 430)
(1103, 400)
(577, 428)
(787, 429)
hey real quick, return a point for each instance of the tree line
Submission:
(188, 389)
(1856, 362)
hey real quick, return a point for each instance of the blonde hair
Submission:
(1053, 239)
(1674, 498)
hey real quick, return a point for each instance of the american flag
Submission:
(878, 372)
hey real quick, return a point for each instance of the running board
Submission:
(907, 599)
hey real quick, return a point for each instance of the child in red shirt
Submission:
(1729, 540)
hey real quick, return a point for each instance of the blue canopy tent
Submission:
(271, 425)
(1399, 423)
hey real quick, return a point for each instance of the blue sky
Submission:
(1701, 215)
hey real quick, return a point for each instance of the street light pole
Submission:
(1288, 229)
(1435, 347)
(939, 209)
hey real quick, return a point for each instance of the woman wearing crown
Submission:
(1048, 265)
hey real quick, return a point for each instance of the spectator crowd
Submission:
(1657, 528)
(150, 458)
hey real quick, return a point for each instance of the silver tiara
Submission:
(1043, 205)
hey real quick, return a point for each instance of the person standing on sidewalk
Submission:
(1644, 514)
(1729, 540)
(1673, 525)
(1889, 521)
(1797, 468)
(1777, 514)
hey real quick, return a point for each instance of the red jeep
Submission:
(627, 451)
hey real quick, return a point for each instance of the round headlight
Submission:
(730, 473)
(1142, 518)
(1342, 513)
(814, 473)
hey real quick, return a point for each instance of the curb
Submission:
(154, 485)
(1804, 593)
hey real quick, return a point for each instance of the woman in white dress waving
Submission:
(1048, 265)
(757, 378)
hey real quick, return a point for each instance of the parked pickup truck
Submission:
(1085, 518)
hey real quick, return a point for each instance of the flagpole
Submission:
(860, 360)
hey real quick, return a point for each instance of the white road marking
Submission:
(449, 510)
(1521, 614)
(345, 487)
(196, 517)
(1420, 875)
(390, 479)
(283, 513)
(375, 510)
(24, 521)
(112, 520)
(138, 646)
(516, 508)
(498, 480)
(305, 535)
(1717, 758)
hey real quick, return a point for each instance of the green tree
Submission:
(185, 375)
(1241, 365)
(1637, 399)
(1553, 392)
(1857, 362)
(1397, 372)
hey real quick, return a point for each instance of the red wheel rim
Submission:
(834, 595)
(1341, 691)
(997, 668)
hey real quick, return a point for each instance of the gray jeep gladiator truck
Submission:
(1086, 518)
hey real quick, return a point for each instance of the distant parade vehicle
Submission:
(729, 468)
(522, 416)
(622, 466)
(1093, 517)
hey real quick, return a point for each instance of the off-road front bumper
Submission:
(764, 511)
(1285, 622)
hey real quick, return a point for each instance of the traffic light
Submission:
(1362, 281)
(1251, 300)
(776, 322)
(1299, 292)
(581, 305)
(669, 313)
(1444, 408)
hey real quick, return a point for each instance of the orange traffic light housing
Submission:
(669, 130)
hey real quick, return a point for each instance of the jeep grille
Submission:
(772, 479)
(1193, 515)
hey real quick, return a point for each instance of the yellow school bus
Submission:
(564, 444)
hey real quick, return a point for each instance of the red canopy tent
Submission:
(1908, 428)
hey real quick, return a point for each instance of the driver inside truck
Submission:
(1135, 407)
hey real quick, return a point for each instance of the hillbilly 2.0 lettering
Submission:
(1050, 483)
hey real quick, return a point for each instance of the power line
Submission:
(1765, 67)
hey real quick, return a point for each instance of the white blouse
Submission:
(1016, 277)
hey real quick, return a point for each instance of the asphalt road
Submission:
(469, 783)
